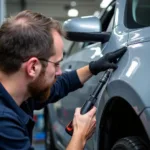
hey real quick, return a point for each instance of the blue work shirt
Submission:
(16, 123)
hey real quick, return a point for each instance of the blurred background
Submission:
(57, 9)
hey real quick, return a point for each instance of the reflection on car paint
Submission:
(98, 52)
(133, 67)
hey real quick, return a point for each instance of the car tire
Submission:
(130, 143)
(49, 140)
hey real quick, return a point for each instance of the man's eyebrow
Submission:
(59, 60)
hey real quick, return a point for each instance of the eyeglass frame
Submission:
(55, 63)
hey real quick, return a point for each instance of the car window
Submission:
(136, 13)
(74, 48)
(111, 24)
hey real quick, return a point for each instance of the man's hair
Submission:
(26, 35)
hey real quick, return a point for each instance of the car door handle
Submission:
(69, 68)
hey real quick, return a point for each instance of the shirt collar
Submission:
(9, 101)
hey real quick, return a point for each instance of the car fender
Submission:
(129, 82)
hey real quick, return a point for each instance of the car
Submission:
(123, 104)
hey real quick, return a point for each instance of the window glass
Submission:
(74, 48)
(137, 13)
(111, 24)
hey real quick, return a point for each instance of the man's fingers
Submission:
(77, 111)
(112, 66)
(92, 111)
(116, 54)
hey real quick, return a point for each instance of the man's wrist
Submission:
(84, 74)
(92, 68)
(77, 142)
(80, 137)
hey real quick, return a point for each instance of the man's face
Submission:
(40, 88)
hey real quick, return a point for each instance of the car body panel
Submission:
(134, 66)
(139, 36)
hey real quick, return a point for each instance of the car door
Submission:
(80, 55)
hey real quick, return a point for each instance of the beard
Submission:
(42, 96)
(38, 89)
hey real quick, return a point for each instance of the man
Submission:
(30, 53)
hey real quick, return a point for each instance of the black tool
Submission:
(92, 100)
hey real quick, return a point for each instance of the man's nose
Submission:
(58, 71)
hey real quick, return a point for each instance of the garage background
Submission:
(57, 9)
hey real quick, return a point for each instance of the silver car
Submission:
(123, 105)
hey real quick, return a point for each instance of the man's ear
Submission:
(33, 67)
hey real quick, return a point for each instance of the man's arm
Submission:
(12, 134)
(73, 80)
(84, 74)
(65, 84)
(76, 143)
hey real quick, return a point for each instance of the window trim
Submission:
(105, 15)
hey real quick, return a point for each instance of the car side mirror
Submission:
(85, 29)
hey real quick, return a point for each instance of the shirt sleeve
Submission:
(12, 135)
(65, 84)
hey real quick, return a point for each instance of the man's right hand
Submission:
(83, 128)
(84, 125)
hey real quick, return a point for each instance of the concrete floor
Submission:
(39, 146)
(38, 133)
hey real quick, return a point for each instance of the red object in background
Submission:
(35, 118)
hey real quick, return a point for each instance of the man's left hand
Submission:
(107, 61)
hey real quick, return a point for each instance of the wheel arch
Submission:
(119, 98)
(119, 120)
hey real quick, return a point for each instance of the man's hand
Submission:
(106, 62)
(83, 128)
(84, 125)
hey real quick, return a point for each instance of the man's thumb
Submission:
(112, 66)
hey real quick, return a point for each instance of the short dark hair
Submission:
(26, 35)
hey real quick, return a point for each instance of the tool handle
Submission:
(85, 108)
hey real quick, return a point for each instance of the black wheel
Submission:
(49, 141)
(130, 143)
